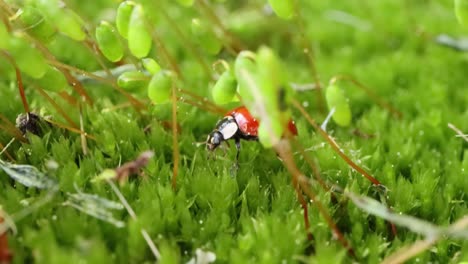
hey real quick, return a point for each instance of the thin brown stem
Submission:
(335, 145)
(6, 7)
(313, 166)
(91, 45)
(175, 143)
(204, 101)
(458, 131)
(309, 53)
(376, 98)
(170, 61)
(71, 129)
(284, 151)
(5, 151)
(135, 102)
(84, 144)
(76, 85)
(234, 43)
(56, 106)
(19, 80)
(11, 129)
(188, 43)
(70, 99)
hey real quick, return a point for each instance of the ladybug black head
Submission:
(214, 140)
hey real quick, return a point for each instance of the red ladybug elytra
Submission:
(238, 124)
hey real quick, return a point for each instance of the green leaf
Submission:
(461, 11)
(139, 38)
(186, 3)
(28, 175)
(245, 70)
(205, 37)
(28, 58)
(224, 90)
(151, 65)
(337, 100)
(132, 80)
(106, 174)
(53, 80)
(37, 24)
(95, 206)
(122, 19)
(275, 95)
(109, 42)
(160, 87)
(70, 24)
(282, 8)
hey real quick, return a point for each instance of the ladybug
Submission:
(238, 124)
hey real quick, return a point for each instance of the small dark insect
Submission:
(238, 124)
(30, 122)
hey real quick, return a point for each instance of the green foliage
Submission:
(283, 8)
(28, 59)
(224, 90)
(461, 10)
(139, 38)
(151, 65)
(53, 80)
(204, 37)
(132, 80)
(160, 87)
(38, 25)
(122, 19)
(109, 42)
(337, 102)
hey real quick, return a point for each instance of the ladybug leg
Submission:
(225, 148)
(238, 147)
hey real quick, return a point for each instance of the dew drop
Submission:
(305, 104)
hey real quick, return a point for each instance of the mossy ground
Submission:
(254, 217)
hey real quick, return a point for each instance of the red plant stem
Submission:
(304, 206)
(299, 180)
(19, 80)
(56, 106)
(5, 253)
(335, 145)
